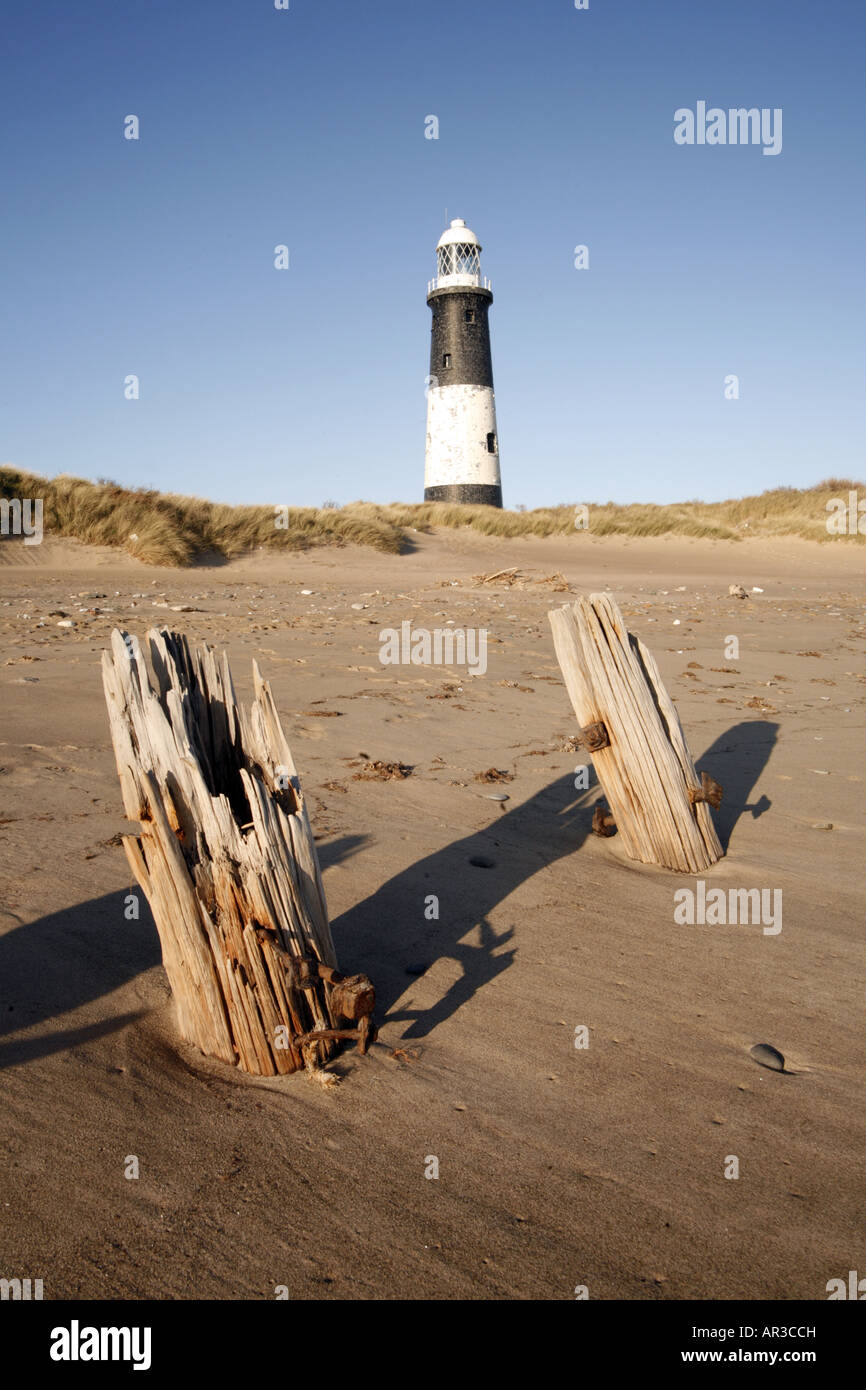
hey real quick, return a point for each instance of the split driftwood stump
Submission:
(227, 861)
(630, 726)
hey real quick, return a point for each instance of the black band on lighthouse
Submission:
(467, 494)
(460, 341)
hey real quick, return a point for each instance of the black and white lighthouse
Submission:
(462, 461)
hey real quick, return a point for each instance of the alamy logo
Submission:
(739, 906)
(21, 1289)
(736, 126)
(846, 518)
(76, 1343)
(21, 518)
(856, 1287)
(444, 646)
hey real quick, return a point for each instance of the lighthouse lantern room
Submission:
(462, 459)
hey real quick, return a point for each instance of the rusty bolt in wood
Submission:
(603, 822)
(709, 791)
(594, 736)
(305, 971)
(351, 997)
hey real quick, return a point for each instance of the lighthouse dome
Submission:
(458, 257)
(458, 232)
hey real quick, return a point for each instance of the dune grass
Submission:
(169, 529)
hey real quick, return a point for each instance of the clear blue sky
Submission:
(306, 127)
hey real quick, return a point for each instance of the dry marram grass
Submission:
(169, 529)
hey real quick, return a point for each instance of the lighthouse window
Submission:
(491, 443)
(446, 359)
(466, 260)
(470, 315)
(459, 260)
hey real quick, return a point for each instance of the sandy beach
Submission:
(601, 1167)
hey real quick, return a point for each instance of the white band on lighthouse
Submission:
(462, 447)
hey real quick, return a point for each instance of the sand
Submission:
(559, 1166)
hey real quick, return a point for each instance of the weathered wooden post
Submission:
(227, 861)
(630, 726)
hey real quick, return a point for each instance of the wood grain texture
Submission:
(225, 854)
(646, 771)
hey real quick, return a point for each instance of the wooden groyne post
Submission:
(226, 858)
(629, 724)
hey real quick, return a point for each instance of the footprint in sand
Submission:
(767, 1056)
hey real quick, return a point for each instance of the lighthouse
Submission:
(462, 460)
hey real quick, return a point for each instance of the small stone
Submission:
(66, 622)
(736, 591)
(496, 796)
